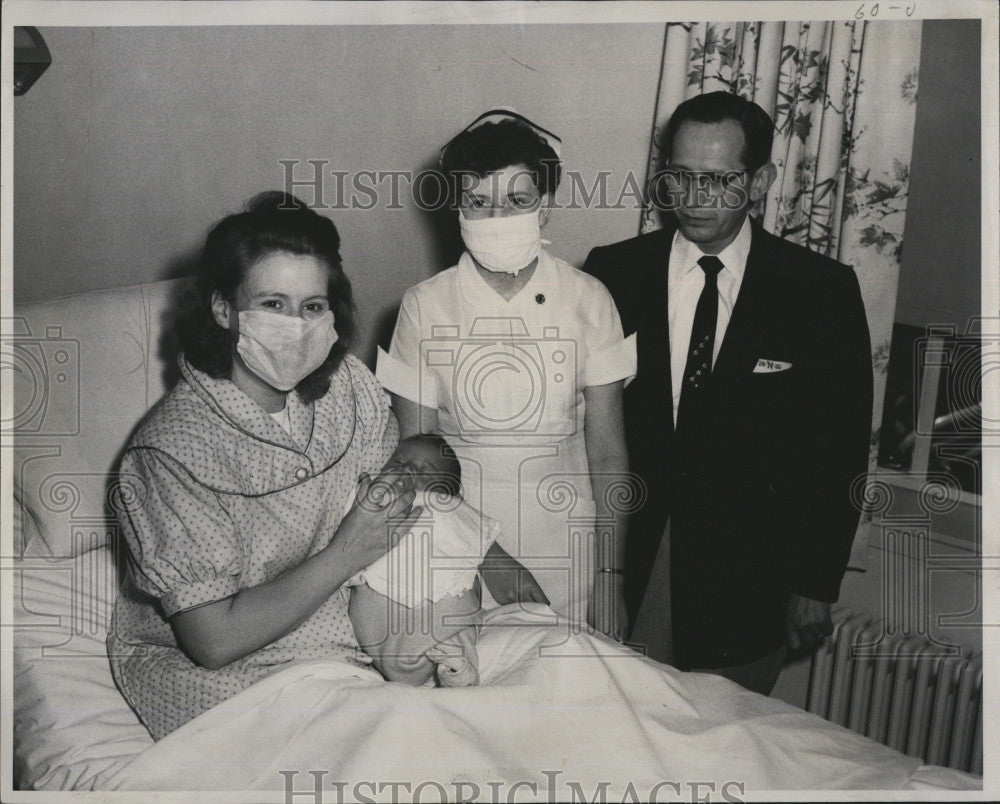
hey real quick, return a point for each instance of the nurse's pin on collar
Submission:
(540, 298)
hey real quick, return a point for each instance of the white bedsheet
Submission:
(70, 723)
(589, 714)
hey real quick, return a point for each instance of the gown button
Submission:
(301, 473)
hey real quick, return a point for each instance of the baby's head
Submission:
(430, 461)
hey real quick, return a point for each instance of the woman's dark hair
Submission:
(450, 481)
(714, 107)
(271, 222)
(495, 146)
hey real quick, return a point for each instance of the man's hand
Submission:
(808, 622)
(508, 580)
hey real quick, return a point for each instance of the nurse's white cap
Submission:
(506, 113)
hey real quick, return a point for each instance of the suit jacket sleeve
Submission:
(601, 265)
(834, 438)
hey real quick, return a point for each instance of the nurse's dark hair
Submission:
(715, 107)
(272, 222)
(449, 480)
(495, 146)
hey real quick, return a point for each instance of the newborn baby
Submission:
(416, 611)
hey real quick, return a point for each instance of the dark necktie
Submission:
(698, 369)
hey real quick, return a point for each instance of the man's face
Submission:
(711, 209)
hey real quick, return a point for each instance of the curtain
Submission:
(843, 99)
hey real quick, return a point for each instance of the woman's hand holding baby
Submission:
(383, 511)
(218, 633)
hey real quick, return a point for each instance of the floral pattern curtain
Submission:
(843, 98)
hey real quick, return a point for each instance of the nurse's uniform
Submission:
(507, 379)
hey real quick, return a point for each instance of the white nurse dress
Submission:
(507, 379)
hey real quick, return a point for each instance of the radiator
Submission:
(908, 693)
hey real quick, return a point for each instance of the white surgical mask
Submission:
(282, 349)
(504, 244)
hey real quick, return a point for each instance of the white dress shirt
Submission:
(685, 281)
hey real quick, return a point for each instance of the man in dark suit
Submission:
(750, 416)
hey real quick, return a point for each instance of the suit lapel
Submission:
(654, 344)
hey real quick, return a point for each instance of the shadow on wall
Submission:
(441, 220)
(181, 267)
(385, 325)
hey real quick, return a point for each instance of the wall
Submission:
(939, 279)
(136, 139)
(944, 603)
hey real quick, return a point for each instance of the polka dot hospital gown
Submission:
(225, 499)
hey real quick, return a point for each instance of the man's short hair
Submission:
(715, 107)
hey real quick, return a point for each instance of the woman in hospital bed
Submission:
(238, 532)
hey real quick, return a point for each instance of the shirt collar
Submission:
(733, 256)
(243, 413)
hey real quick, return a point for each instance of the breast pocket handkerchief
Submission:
(770, 366)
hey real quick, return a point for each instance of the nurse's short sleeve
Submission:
(610, 356)
(184, 546)
(400, 370)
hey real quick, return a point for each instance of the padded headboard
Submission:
(85, 368)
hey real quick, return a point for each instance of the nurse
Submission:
(518, 359)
